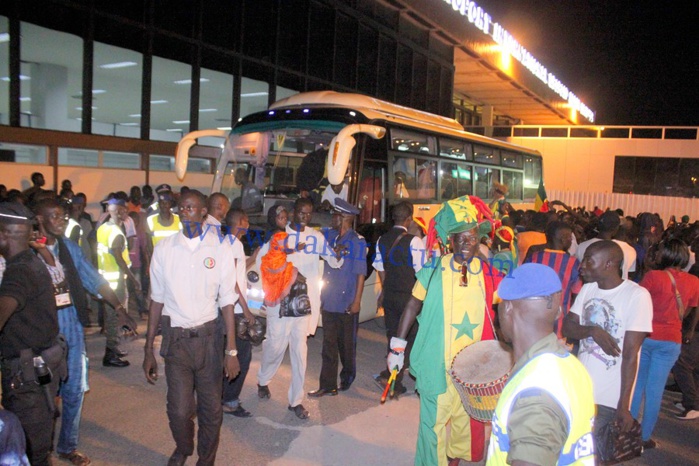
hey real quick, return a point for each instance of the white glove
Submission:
(397, 354)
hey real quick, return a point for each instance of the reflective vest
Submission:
(160, 231)
(567, 381)
(106, 263)
(72, 225)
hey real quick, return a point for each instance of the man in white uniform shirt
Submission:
(609, 223)
(611, 317)
(192, 274)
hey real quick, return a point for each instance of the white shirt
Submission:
(626, 308)
(629, 263)
(330, 195)
(193, 278)
(417, 251)
(241, 278)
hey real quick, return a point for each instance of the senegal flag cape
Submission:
(452, 317)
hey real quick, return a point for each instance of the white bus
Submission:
(382, 151)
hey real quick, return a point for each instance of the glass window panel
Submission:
(532, 176)
(689, 177)
(414, 178)
(116, 89)
(483, 178)
(162, 163)
(253, 96)
(283, 92)
(51, 79)
(456, 180)
(408, 141)
(511, 159)
(371, 193)
(215, 99)
(21, 153)
(121, 160)
(4, 71)
(78, 157)
(514, 182)
(171, 87)
(485, 154)
(197, 165)
(455, 149)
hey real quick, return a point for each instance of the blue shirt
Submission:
(340, 285)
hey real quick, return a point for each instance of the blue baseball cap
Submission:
(115, 201)
(529, 281)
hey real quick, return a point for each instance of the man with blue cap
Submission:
(340, 299)
(545, 413)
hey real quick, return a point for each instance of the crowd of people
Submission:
(613, 296)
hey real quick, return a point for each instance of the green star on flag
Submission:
(465, 327)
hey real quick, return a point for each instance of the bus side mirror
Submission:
(186, 143)
(341, 147)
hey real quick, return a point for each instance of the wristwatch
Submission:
(233, 352)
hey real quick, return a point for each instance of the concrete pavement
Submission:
(124, 420)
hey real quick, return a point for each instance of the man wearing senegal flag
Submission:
(453, 297)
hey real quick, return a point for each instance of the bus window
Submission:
(372, 185)
(410, 141)
(414, 178)
(513, 181)
(456, 180)
(455, 149)
(532, 175)
(484, 178)
(485, 154)
(511, 159)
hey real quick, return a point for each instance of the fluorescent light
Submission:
(135, 115)
(224, 128)
(129, 124)
(80, 109)
(174, 130)
(189, 81)
(208, 110)
(155, 102)
(180, 122)
(98, 91)
(25, 99)
(121, 64)
(21, 78)
(4, 37)
(254, 94)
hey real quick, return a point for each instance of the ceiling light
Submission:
(208, 110)
(25, 99)
(180, 122)
(21, 78)
(189, 81)
(254, 94)
(135, 115)
(121, 64)
(224, 128)
(174, 130)
(4, 37)
(98, 91)
(155, 102)
(129, 124)
(80, 109)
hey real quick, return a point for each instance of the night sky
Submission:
(633, 63)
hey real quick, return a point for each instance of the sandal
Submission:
(263, 391)
(75, 457)
(300, 411)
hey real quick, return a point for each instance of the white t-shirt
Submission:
(192, 278)
(629, 263)
(626, 308)
(330, 195)
(240, 269)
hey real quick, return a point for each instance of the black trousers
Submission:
(686, 372)
(195, 366)
(28, 401)
(339, 338)
(392, 314)
(231, 390)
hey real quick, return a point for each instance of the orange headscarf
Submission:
(277, 274)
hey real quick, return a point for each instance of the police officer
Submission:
(545, 413)
(33, 357)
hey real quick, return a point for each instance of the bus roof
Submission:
(376, 109)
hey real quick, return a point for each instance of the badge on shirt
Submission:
(209, 263)
(63, 299)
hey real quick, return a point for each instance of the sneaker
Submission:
(679, 405)
(688, 415)
(650, 444)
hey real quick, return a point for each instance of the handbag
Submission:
(296, 303)
(614, 447)
(678, 297)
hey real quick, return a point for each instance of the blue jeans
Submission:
(657, 358)
(72, 390)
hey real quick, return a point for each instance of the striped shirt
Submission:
(567, 267)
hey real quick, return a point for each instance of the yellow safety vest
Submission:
(72, 224)
(107, 265)
(160, 231)
(567, 381)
